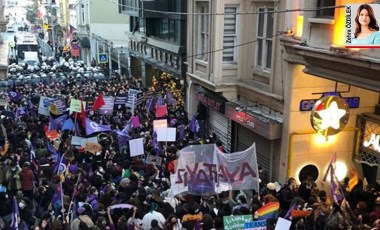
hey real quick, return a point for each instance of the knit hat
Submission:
(124, 182)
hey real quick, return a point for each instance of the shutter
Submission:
(246, 138)
(229, 33)
(221, 126)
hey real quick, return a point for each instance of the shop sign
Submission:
(373, 142)
(371, 136)
(329, 115)
(268, 130)
(215, 104)
(307, 104)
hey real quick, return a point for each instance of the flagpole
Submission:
(75, 124)
(73, 196)
(63, 207)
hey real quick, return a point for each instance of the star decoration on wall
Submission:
(331, 116)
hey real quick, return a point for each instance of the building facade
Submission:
(235, 76)
(100, 28)
(157, 37)
(317, 64)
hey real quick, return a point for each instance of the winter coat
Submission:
(27, 179)
(13, 178)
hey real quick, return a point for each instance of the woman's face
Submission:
(364, 18)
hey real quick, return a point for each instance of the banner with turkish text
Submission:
(204, 168)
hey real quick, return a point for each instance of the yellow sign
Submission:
(93, 147)
(46, 27)
(329, 115)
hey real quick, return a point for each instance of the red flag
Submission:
(99, 102)
(83, 115)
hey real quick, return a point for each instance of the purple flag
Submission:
(122, 137)
(151, 105)
(56, 201)
(14, 223)
(160, 101)
(59, 121)
(194, 126)
(93, 127)
(289, 213)
(60, 167)
(169, 97)
(52, 124)
(127, 127)
(53, 151)
(20, 111)
(181, 131)
(336, 191)
(14, 96)
(156, 145)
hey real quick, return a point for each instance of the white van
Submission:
(10, 29)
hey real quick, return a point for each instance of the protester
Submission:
(74, 170)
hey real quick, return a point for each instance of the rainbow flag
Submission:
(268, 211)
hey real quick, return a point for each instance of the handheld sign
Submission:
(136, 147)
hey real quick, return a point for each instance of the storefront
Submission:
(214, 107)
(249, 129)
(368, 145)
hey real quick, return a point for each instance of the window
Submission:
(202, 30)
(326, 13)
(264, 41)
(229, 37)
(122, 5)
(134, 25)
(166, 29)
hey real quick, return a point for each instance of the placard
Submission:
(120, 102)
(283, 224)
(57, 107)
(75, 140)
(163, 123)
(93, 147)
(52, 134)
(107, 108)
(256, 225)
(166, 134)
(75, 105)
(136, 147)
(161, 111)
(236, 222)
(44, 106)
(155, 160)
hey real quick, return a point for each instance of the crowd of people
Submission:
(110, 189)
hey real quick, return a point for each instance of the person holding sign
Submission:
(366, 27)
